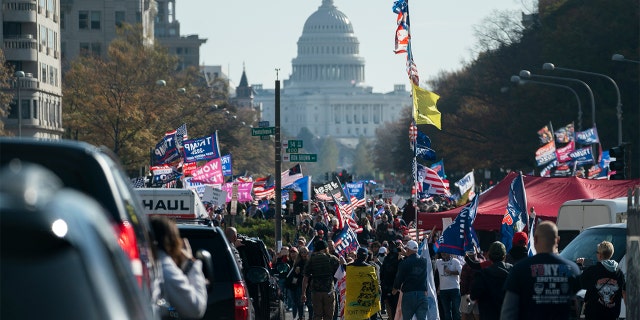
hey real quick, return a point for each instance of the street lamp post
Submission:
(619, 57)
(518, 80)
(550, 66)
(527, 74)
(19, 74)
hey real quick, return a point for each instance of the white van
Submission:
(176, 203)
(576, 215)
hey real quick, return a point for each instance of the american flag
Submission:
(138, 182)
(290, 176)
(413, 135)
(345, 214)
(181, 134)
(412, 69)
(436, 184)
(262, 189)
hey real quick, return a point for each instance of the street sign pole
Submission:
(278, 160)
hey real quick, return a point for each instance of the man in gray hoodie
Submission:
(605, 285)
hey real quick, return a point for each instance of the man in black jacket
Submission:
(487, 288)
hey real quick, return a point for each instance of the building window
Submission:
(35, 109)
(119, 15)
(96, 48)
(51, 6)
(84, 48)
(50, 39)
(43, 71)
(26, 112)
(83, 20)
(95, 20)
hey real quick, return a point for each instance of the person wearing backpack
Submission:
(319, 272)
(487, 288)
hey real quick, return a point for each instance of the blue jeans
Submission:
(450, 299)
(414, 303)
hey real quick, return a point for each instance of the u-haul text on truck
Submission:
(175, 203)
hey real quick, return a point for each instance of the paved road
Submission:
(289, 316)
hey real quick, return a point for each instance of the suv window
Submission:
(227, 293)
(585, 244)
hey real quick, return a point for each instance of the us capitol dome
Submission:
(326, 91)
(328, 54)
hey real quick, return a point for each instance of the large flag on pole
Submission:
(424, 107)
(460, 236)
(516, 217)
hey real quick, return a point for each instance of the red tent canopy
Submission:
(546, 195)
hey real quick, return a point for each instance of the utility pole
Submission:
(633, 254)
(278, 170)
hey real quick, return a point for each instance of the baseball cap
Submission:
(497, 251)
(382, 250)
(520, 239)
(411, 245)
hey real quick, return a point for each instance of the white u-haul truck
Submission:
(577, 215)
(176, 203)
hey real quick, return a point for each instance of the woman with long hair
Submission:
(184, 284)
(294, 279)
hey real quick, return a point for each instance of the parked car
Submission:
(585, 243)
(96, 172)
(59, 256)
(262, 279)
(228, 293)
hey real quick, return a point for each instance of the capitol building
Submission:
(326, 91)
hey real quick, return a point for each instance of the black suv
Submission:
(262, 278)
(59, 242)
(96, 172)
(228, 296)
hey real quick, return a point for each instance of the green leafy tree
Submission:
(121, 102)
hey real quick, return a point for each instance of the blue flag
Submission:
(346, 241)
(460, 235)
(516, 216)
(205, 148)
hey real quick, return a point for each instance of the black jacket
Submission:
(487, 289)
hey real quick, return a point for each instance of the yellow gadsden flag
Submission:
(424, 107)
(362, 293)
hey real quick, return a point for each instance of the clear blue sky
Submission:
(262, 35)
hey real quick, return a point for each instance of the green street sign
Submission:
(265, 137)
(291, 150)
(263, 131)
(303, 157)
(294, 144)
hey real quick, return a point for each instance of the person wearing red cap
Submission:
(518, 249)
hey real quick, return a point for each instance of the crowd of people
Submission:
(496, 284)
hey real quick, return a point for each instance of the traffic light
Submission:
(619, 165)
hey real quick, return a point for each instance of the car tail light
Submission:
(128, 243)
(241, 299)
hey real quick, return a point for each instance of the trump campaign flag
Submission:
(205, 148)
(516, 216)
(460, 236)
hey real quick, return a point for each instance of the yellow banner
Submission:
(363, 293)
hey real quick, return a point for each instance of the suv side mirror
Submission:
(282, 268)
(257, 274)
(207, 264)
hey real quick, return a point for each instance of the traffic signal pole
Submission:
(278, 160)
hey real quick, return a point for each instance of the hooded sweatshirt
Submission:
(604, 283)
